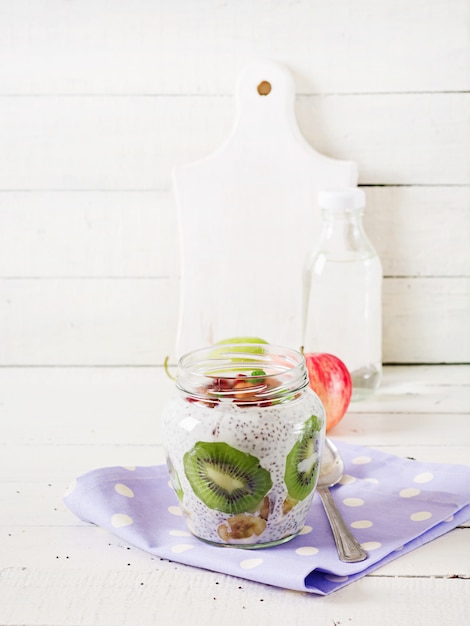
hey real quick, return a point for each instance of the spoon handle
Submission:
(349, 549)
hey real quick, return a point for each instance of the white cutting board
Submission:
(248, 219)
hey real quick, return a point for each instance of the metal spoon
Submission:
(331, 471)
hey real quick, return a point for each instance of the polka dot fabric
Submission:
(393, 505)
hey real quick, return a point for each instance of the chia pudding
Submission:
(243, 438)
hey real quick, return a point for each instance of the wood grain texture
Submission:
(89, 599)
(88, 322)
(420, 231)
(133, 322)
(197, 48)
(442, 308)
(98, 105)
(133, 142)
(57, 570)
(95, 234)
(91, 234)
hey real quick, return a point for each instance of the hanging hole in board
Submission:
(264, 88)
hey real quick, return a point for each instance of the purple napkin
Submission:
(392, 504)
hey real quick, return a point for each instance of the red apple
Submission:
(331, 381)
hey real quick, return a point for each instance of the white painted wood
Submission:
(87, 322)
(132, 142)
(90, 598)
(59, 464)
(452, 558)
(423, 376)
(94, 234)
(430, 317)
(103, 142)
(93, 99)
(83, 403)
(88, 234)
(134, 322)
(372, 427)
(156, 47)
(420, 231)
(395, 138)
(248, 214)
(135, 234)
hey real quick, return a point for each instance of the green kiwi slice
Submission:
(226, 479)
(302, 463)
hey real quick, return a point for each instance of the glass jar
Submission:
(343, 291)
(243, 436)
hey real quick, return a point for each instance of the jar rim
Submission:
(244, 373)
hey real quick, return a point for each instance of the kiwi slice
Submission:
(302, 463)
(226, 479)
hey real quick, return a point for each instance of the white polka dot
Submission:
(420, 516)
(306, 530)
(124, 490)
(409, 492)
(175, 510)
(425, 477)
(374, 481)
(180, 533)
(250, 563)
(353, 501)
(306, 551)
(336, 579)
(371, 545)
(361, 460)
(182, 547)
(362, 523)
(121, 519)
(449, 519)
(71, 487)
(129, 468)
(346, 479)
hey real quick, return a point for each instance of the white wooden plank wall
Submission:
(99, 99)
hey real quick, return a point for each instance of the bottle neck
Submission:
(343, 231)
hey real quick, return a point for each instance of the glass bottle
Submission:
(243, 436)
(343, 291)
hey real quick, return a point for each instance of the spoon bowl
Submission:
(332, 465)
(331, 472)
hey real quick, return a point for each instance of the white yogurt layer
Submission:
(269, 434)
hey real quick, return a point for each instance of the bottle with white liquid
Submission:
(343, 291)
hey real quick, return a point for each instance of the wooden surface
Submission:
(239, 207)
(60, 422)
(98, 104)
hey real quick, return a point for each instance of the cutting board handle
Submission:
(265, 99)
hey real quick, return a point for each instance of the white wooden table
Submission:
(57, 423)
